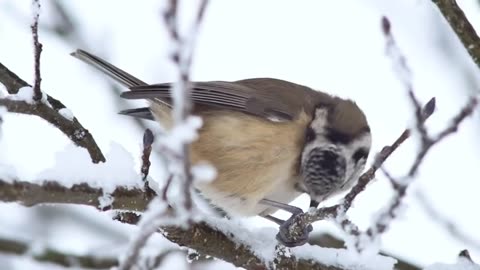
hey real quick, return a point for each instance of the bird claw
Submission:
(294, 231)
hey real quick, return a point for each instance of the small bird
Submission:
(270, 140)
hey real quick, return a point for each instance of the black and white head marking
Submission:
(332, 160)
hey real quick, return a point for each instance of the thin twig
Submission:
(182, 57)
(384, 219)
(428, 142)
(148, 139)
(147, 150)
(180, 92)
(166, 187)
(37, 50)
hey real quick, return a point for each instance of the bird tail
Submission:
(110, 70)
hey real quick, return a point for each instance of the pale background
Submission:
(334, 46)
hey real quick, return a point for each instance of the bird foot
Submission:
(294, 231)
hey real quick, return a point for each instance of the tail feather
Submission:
(110, 70)
(127, 80)
(143, 113)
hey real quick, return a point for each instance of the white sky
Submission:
(334, 46)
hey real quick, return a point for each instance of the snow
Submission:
(7, 172)
(66, 113)
(3, 90)
(25, 93)
(175, 261)
(344, 258)
(183, 132)
(73, 166)
(105, 200)
(462, 264)
(263, 244)
(203, 172)
(320, 58)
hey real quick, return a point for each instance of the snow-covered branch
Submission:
(50, 110)
(30, 194)
(230, 247)
(222, 243)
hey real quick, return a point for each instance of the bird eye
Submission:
(359, 154)
(309, 135)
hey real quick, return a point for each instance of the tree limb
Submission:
(73, 129)
(462, 27)
(30, 194)
(209, 241)
(219, 244)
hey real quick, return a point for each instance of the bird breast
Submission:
(255, 159)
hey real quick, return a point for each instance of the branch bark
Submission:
(209, 241)
(195, 237)
(462, 27)
(29, 194)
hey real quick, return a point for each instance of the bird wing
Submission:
(268, 98)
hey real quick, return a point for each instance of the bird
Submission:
(270, 140)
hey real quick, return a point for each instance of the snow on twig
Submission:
(178, 211)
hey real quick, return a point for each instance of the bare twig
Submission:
(382, 222)
(465, 254)
(428, 142)
(147, 150)
(73, 129)
(37, 50)
(166, 187)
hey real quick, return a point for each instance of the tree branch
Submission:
(220, 245)
(72, 128)
(462, 27)
(29, 194)
(57, 257)
(227, 248)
